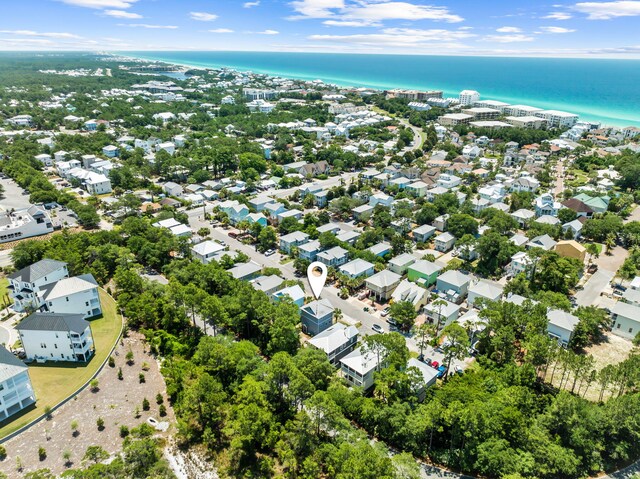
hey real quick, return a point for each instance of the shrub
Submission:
(112, 362)
(141, 377)
(145, 404)
(100, 423)
(3, 453)
(42, 453)
(145, 366)
(94, 385)
(74, 428)
(47, 411)
(124, 431)
(162, 410)
(120, 374)
(129, 357)
(159, 398)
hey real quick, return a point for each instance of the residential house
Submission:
(545, 242)
(421, 234)
(484, 289)
(359, 366)
(267, 284)
(56, 337)
(295, 293)
(440, 222)
(335, 256)
(454, 285)
(173, 189)
(336, 341)
(571, 249)
(444, 242)
(27, 286)
(348, 236)
(626, 320)
(546, 205)
(363, 212)
(357, 268)
(599, 204)
(410, 292)
(316, 316)
(417, 188)
(428, 374)
(291, 240)
(448, 181)
(15, 385)
(383, 284)
(401, 263)
(521, 262)
(423, 272)
(75, 295)
(380, 199)
(380, 249)
(561, 325)
(205, 251)
(235, 210)
(111, 151)
(523, 217)
(444, 314)
(24, 223)
(309, 251)
(246, 271)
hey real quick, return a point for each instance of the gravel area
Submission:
(116, 402)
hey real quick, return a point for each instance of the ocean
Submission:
(596, 89)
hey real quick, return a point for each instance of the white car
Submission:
(385, 312)
(269, 252)
(377, 328)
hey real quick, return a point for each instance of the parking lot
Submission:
(13, 197)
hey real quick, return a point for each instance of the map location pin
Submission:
(317, 274)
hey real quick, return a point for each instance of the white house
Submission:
(359, 366)
(561, 325)
(27, 285)
(24, 223)
(76, 295)
(336, 341)
(15, 385)
(205, 251)
(626, 320)
(56, 337)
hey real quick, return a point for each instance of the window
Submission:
(618, 326)
(43, 345)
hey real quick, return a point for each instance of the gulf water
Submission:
(596, 89)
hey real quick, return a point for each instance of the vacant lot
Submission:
(116, 402)
(54, 382)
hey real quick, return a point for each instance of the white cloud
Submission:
(146, 25)
(508, 30)
(221, 30)
(203, 16)
(609, 10)
(370, 12)
(515, 38)
(401, 37)
(251, 4)
(349, 23)
(268, 32)
(121, 14)
(556, 30)
(100, 3)
(559, 16)
(31, 33)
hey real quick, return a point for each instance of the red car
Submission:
(435, 364)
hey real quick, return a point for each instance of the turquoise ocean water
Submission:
(602, 90)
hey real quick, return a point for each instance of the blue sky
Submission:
(462, 27)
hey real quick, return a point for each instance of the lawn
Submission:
(54, 382)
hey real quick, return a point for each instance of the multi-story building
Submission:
(24, 223)
(556, 118)
(76, 295)
(468, 97)
(336, 341)
(28, 285)
(16, 391)
(316, 316)
(56, 337)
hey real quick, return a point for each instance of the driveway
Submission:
(598, 282)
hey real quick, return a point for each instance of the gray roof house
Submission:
(335, 256)
(357, 268)
(383, 284)
(316, 316)
(246, 271)
(336, 341)
(454, 285)
(561, 325)
(484, 289)
(400, 263)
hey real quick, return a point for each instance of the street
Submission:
(598, 282)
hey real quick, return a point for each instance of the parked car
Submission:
(458, 369)
(222, 243)
(441, 371)
(435, 364)
(385, 312)
(392, 321)
(377, 328)
(428, 361)
(269, 252)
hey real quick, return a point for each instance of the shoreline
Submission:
(602, 117)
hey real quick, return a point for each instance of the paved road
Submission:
(5, 258)
(590, 294)
(559, 179)
(417, 133)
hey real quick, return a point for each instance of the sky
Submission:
(451, 27)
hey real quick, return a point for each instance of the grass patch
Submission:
(53, 382)
(5, 299)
